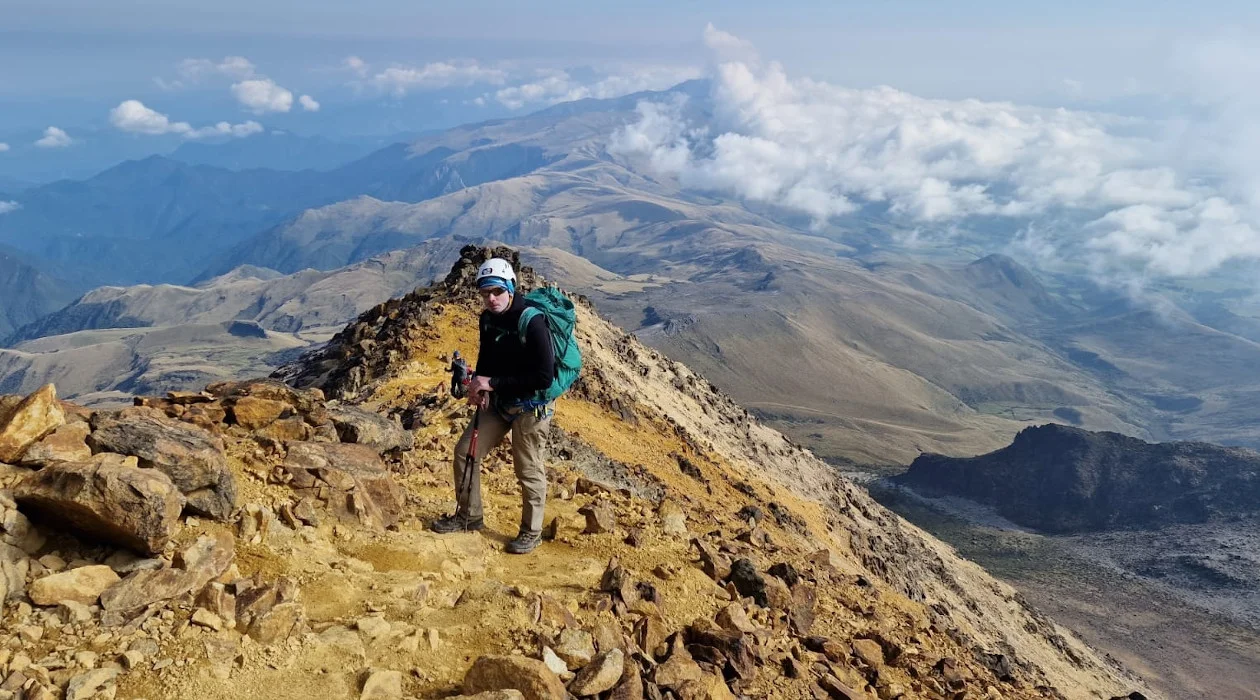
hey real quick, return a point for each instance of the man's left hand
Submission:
(478, 386)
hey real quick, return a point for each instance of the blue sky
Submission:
(1025, 51)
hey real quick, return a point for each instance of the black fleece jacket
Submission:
(516, 371)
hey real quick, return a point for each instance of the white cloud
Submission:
(3, 147)
(235, 67)
(195, 70)
(308, 103)
(133, 116)
(554, 86)
(6, 207)
(728, 47)
(358, 65)
(262, 95)
(399, 80)
(1101, 188)
(54, 138)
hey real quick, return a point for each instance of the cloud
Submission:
(3, 147)
(134, 117)
(1098, 188)
(728, 47)
(195, 70)
(6, 207)
(236, 67)
(356, 64)
(54, 138)
(554, 86)
(262, 95)
(254, 91)
(550, 88)
(399, 80)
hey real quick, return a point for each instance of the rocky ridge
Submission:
(260, 538)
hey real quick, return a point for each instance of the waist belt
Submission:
(541, 409)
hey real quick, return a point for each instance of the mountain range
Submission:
(868, 351)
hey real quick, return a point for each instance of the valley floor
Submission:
(1181, 649)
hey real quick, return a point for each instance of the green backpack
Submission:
(561, 319)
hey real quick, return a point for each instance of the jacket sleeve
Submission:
(537, 364)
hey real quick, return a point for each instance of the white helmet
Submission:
(496, 267)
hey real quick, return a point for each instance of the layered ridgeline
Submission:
(1061, 479)
(26, 294)
(895, 349)
(116, 342)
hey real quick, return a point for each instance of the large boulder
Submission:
(530, 676)
(27, 422)
(193, 458)
(106, 498)
(362, 427)
(350, 480)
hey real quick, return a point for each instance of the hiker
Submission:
(459, 374)
(527, 358)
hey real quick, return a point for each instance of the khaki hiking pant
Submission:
(529, 444)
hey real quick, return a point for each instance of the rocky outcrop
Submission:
(192, 457)
(1062, 479)
(107, 499)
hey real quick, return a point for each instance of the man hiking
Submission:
(459, 374)
(527, 358)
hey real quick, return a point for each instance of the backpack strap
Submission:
(527, 315)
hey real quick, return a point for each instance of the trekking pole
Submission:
(470, 460)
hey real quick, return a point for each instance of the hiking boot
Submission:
(524, 542)
(457, 522)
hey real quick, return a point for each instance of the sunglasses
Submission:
(488, 292)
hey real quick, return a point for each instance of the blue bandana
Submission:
(497, 282)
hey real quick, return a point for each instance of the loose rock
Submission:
(601, 674)
(67, 443)
(530, 676)
(382, 685)
(599, 518)
(83, 585)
